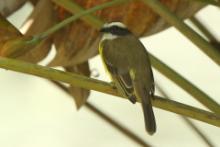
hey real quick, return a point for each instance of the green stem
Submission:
(203, 29)
(74, 8)
(199, 133)
(188, 121)
(127, 132)
(171, 18)
(185, 84)
(93, 84)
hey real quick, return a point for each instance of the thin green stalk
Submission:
(79, 15)
(108, 119)
(93, 84)
(171, 18)
(199, 133)
(74, 8)
(203, 29)
(127, 132)
(185, 84)
(188, 122)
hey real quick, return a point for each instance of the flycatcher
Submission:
(127, 61)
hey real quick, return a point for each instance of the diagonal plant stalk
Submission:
(187, 121)
(74, 8)
(171, 18)
(185, 84)
(203, 29)
(92, 84)
(160, 66)
(117, 125)
(108, 119)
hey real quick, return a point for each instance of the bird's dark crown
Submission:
(115, 30)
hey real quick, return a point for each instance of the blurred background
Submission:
(34, 112)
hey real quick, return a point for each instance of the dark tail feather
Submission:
(149, 118)
(143, 94)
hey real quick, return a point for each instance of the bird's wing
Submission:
(120, 76)
(122, 81)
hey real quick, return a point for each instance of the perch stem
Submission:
(93, 84)
(185, 84)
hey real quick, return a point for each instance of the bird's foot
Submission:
(132, 99)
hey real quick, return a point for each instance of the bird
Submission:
(127, 61)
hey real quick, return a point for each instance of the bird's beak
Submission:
(102, 30)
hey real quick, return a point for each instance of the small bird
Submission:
(127, 61)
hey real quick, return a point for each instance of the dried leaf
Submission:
(17, 46)
(80, 95)
(37, 53)
(72, 50)
(7, 31)
(43, 18)
(12, 43)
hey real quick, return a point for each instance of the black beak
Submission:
(103, 30)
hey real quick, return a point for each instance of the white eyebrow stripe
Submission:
(108, 36)
(119, 24)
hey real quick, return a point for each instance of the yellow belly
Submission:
(102, 58)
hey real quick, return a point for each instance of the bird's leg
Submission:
(112, 84)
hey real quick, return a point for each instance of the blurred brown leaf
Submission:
(43, 18)
(12, 43)
(7, 31)
(80, 95)
(77, 51)
(17, 46)
(34, 2)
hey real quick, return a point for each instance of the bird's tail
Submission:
(149, 118)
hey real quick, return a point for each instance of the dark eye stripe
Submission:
(115, 30)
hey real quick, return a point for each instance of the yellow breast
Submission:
(102, 58)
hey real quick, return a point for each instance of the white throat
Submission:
(108, 36)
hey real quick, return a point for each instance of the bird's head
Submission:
(113, 30)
